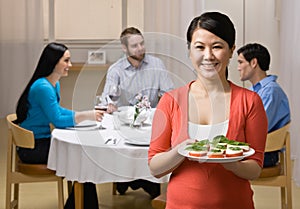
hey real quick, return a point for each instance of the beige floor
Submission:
(43, 195)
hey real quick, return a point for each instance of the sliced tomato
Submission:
(234, 155)
(215, 156)
(197, 154)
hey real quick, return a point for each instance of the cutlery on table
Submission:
(108, 140)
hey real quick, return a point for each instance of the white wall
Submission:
(255, 21)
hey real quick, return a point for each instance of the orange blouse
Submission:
(196, 185)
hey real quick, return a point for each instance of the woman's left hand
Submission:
(246, 169)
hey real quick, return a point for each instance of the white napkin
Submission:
(126, 115)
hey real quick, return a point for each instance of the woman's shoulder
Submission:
(243, 95)
(239, 90)
(179, 91)
(40, 81)
(41, 84)
(175, 97)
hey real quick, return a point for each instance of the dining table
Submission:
(88, 153)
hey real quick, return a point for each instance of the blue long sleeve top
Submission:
(44, 108)
(275, 102)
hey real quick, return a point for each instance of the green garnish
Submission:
(220, 146)
(231, 142)
(220, 139)
(235, 148)
(215, 150)
(198, 146)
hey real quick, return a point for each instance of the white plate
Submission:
(142, 142)
(86, 123)
(136, 136)
(206, 159)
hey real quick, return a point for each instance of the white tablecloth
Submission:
(83, 156)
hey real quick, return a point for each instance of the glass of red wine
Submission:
(114, 93)
(99, 104)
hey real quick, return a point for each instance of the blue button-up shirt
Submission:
(275, 102)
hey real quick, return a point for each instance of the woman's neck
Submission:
(212, 86)
(52, 78)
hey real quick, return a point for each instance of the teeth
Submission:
(212, 64)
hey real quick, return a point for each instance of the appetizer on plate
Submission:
(243, 145)
(234, 152)
(219, 147)
(198, 149)
(215, 153)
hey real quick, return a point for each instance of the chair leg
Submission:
(289, 195)
(286, 197)
(8, 196)
(9, 202)
(78, 195)
(60, 193)
(283, 198)
(69, 187)
(114, 188)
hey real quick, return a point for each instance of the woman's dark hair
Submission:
(47, 62)
(216, 23)
(255, 50)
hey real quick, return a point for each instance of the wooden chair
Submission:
(280, 175)
(18, 172)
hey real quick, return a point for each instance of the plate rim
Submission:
(82, 124)
(135, 142)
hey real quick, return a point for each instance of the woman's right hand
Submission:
(165, 162)
(96, 115)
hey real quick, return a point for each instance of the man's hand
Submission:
(111, 108)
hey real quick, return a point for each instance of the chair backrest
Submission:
(21, 137)
(276, 139)
(18, 172)
(279, 175)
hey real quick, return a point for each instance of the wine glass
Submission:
(99, 104)
(114, 93)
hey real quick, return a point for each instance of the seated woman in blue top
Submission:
(39, 106)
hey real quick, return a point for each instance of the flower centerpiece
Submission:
(140, 110)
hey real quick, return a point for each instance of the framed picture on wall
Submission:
(96, 57)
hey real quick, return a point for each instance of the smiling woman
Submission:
(207, 103)
(38, 107)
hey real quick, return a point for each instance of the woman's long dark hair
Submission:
(47, 62)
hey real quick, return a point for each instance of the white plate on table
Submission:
(136, 136)
(206, 159)
(140, 142)
(85, 125)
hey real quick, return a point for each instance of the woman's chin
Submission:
(209, 74)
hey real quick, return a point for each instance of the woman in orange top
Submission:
(209, 106)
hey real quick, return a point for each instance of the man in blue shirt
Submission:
(253, 62)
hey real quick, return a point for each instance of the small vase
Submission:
(140, 118)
